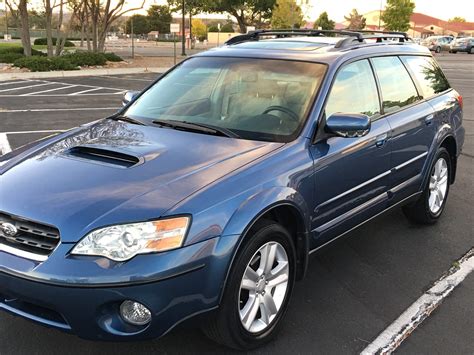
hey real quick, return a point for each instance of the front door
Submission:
(351, 174)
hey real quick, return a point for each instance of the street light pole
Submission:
(380, 12)
(183, 32)
(132, 35)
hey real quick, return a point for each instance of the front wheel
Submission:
(258, 289)
(431, 203)
(438, 50)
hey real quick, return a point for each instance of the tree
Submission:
(397, 15)
(102, 14)
(159, 18)
(457, 19)
(286, 14)
(246, 12)
(356, 21)
(199, 29)
(324, 22)
(25, 27)
(140, 25)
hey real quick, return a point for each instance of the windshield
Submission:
(257, 99)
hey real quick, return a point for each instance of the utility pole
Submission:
(380, 12)
(131, 34)
(183, 31)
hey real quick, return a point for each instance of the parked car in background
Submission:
(438, 44)
(465, 44)
(208, 191)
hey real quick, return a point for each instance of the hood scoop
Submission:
(104, 156)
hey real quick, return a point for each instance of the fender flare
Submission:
(254, 208)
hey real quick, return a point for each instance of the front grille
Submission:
(30, 236)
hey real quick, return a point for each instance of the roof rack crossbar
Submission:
(255, 35)
(352, 37)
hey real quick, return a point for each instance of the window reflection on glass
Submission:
(428, 74)
(397, 87)
(257, 99)
(354, 91)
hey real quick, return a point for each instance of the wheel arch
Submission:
(449, 143)
(291, 213)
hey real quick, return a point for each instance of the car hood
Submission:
(115, 172)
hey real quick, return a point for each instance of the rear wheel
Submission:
(471, 51)
(431, 203)
(258, 290)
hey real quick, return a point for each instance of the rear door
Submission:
(351, 174)
(411, 119)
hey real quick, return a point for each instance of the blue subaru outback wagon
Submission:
(207, 192)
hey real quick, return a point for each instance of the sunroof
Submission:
(279, 44)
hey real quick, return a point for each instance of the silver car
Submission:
(437, 43)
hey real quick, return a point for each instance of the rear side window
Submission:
(428, 74)
(397, 87)
(354, 91)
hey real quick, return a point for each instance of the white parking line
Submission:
(391, 338)
(84, 91)
(60, 109)
(40, 131)
(4, 144)
(25, 87)
(55, 89)
(15, 82)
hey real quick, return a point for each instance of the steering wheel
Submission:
(292, 114)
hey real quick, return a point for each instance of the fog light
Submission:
(135, 313)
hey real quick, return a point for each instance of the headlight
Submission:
(123, 242)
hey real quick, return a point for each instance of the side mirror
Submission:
(348, 125)
(129, 96)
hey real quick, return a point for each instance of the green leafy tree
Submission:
(356, 21)
(324, 22)
(397, 15)
(246, 12)
(140, 25)
(457, 19)
(159, 18)
(286, 14)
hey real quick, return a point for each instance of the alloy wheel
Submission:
(438, 185)
(263, 287)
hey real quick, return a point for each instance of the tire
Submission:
(471, 51)
(438, 50)
(430, 206)
(454, 52)
(226, 326)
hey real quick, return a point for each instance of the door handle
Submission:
(429, 119)
(381, 140)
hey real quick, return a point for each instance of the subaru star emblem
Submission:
(8, 229)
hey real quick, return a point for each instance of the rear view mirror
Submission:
(348, 125)
(129, 96)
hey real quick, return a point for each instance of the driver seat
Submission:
(253, 99)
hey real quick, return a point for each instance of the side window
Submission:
(428, 74)
(354, 91)
(397, 87)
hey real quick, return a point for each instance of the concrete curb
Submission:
(75, 73)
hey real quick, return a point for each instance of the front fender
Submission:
(256, 205)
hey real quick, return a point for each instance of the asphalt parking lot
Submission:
(355, 287)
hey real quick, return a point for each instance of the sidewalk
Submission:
(85, 72)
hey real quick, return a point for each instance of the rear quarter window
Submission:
(398, 89)
(428, 74)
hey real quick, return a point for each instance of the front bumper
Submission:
(91, 311)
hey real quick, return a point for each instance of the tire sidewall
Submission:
(271, 232)
(442, 153)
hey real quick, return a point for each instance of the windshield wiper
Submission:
(197, 127)
(127, 119)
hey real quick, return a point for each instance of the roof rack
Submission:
(353, 37)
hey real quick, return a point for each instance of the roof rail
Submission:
(353, 37)
(255, 35)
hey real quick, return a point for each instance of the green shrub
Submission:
(9, 57)
(112, 57)
(44, 42)
(37, 63)
(11, 49)
(86, 58)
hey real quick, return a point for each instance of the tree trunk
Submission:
(49, 31)
(60, 34)
(25, 27)
(191, 42)
(240, 21)
(82, 34)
